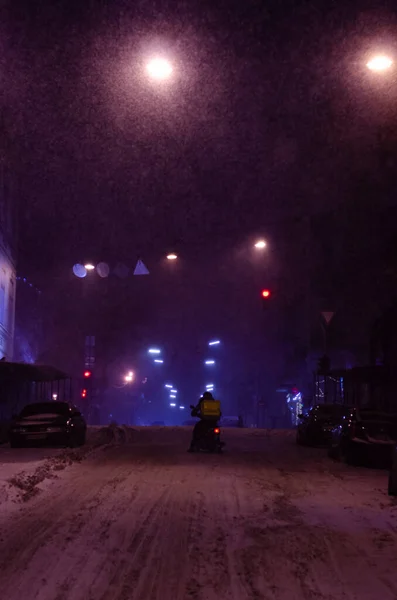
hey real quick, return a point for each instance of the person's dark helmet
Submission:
(207, 396)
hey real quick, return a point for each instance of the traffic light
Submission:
(87, 374)
(324, 365)
(266, 298)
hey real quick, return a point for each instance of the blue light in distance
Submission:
(209, 362)
(172, 404)
(172, 396)
(168, 385)
(214, 343)
(158, 360)
(174, 391)
(182, 407)
(154, 351)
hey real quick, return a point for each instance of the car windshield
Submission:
(42, 408)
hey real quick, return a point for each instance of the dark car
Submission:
(58, 423)
(393, 475)
(364, 435)
(315, 428)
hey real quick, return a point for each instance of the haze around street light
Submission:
(89, 267)
(172, 256)
(380, 63)
(260, 244)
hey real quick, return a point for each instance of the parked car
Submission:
(393, 475)
(315, 428)
(363, 435)
(48, 422)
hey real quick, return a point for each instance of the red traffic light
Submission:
(87, 374)
(266, 294)
(84, 394)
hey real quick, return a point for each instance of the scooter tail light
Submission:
(217, 430)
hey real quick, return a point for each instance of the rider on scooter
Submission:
(205, 423)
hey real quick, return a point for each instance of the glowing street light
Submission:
(214, 343)
(172, 256)
(172, 404)
(172, 396)
(260, 244)
(182, 408)
(168, 385)
(154, 351)
(159, 69)
(129, 377)
(158, 361)
(210, 362)
(380, 63)
(89, 267)
(173, 391)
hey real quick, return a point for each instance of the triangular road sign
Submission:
(327, 314)
(141, 268)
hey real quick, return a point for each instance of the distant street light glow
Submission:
(172, 396)
(266, 294)
(214, 343)
(182, 407)
(380, 63)
(129, 377)
(172, 404)
(209, 362)
(168, 385)
(159, 361)
(174, 391)
(159, 68)
(89, 267)
(260, 244)
(172, 256)
(154, 351)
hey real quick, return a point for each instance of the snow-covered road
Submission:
(142, 519)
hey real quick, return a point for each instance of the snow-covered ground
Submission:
(133, 516)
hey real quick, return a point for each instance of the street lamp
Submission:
(260, 244)
(89, 267)
(214, 343)
(159, 69)
(380, 63)
(129, 377)
(154, 351)
(172, 256)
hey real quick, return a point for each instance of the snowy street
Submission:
(140, 518)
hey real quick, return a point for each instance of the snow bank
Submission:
(22, 470)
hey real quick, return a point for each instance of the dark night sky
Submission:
(271, 117)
